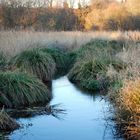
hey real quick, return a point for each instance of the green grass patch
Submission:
(3, 61)
(98, 45)
(90, 71)
(19, 89)
(60, 57)
(86, 72)
(35, 62)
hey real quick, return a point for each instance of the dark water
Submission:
(84, 118)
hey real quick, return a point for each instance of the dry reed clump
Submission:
(129, 101)
(6, 122)
(124, 91)
(113, 68)
(13, 42)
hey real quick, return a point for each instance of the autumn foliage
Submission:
(100, 15)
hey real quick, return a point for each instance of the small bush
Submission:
(35, 62)
(19, 89)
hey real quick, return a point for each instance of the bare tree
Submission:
(83, 3)
(65, 4)
(49, 3)
(71, 3)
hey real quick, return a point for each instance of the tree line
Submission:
(66, 15)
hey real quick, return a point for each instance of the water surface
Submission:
(84, 118)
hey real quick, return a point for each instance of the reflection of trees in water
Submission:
(111, 124)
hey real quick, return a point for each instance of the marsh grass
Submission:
(92, 62)
(128, 108)
(100, 45)
(124, 92)
(3, 61)
(13, 42)
(85, 74)
(60, 57)
(90, 72)
(114, 66)
(6, 122)
(19, 89)
(98, 61)
(35, 62)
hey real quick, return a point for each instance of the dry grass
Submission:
(12, 42)
(125, 91)
(129, 100)
(6, 122)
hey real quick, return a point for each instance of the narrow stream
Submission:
(84, 118)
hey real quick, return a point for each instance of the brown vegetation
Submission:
(100, 15)
(6, 122)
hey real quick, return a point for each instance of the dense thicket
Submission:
(100, 15)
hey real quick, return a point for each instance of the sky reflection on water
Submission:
(84, 118)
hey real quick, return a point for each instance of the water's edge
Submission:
(84, 118)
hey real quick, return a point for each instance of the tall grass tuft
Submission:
(100, 45)
(85, 75)
(60, 57)
(3, 61)
(90, 72)
(124, 92)
(19, 89)
(6, 122)
(128, 107)
(35, 62)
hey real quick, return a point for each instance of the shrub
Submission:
(35, 62)
(19, 89)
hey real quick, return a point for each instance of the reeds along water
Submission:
(6, 122)
(12, 42)
(104, 68)
(102, 64)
